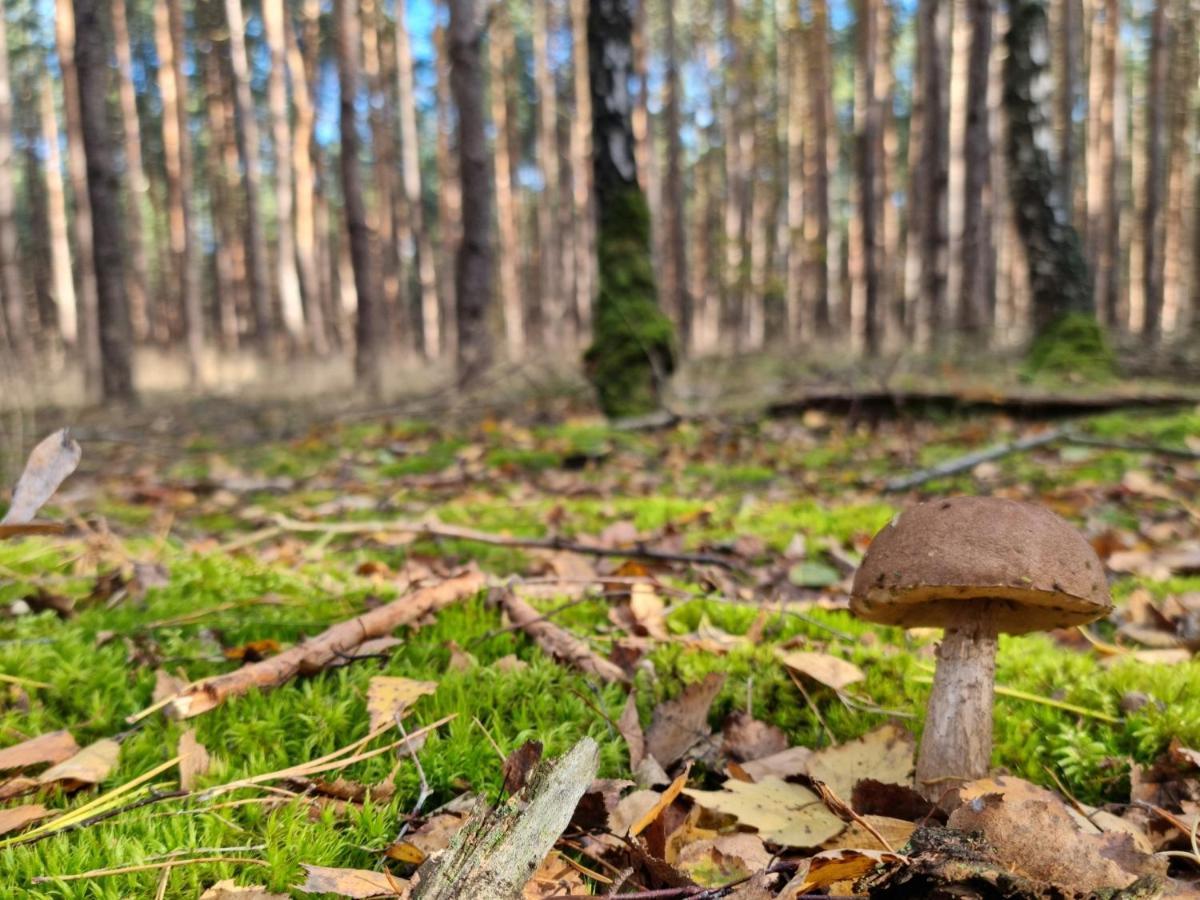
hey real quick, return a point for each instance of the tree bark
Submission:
(867, 143)
(816, 168)
(931, 179)
(56, 216)
(473, 279)
(449, 193)
(290, 301)
(1103, 205)
(410, 163)
(581, 171)
(1059, 276)
(87, 315)
(1152, 209)
(19, 320)
(1177, 283)
(974, 318)
(136, 186)
(368, 332)
(795, 91)
(104, 193)
(676, 298)
(554, 313)
(499, 52)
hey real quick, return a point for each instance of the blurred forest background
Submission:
(284, 179)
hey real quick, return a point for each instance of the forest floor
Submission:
(190, 557)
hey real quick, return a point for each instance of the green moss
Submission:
(528, 460)
(633, 343)
(1074, 346)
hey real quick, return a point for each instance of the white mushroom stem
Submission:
(956, 745)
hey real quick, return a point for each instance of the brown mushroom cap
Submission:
(1031, 567)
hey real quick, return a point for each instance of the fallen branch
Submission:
(460, 533)
(494, 855)
(558, 642)
(971, 460)
(319, 652)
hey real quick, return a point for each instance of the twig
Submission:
(491, 740)
(1087, 440)
(425, 792)
(971, 460)
(811, 705)
(550, 613)
(558, 642)
(460, 533)
(840, 807)
(149, 867)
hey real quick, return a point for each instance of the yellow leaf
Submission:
(787, 814)
(666, 799)
(828, 670)
(388, 697)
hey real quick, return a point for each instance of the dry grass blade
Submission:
(149, 867)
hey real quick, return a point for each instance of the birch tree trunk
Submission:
(368, 331)
(410, 160)
(473, 279)
(249, 148)
(116, 338)
(87, 315)
(290, 301)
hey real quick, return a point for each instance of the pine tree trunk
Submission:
(1180, 196)
(931, 179)
(473, 279)
(410, 160)
(308, 179)
(63, 285)
(891, 259)
(584, 237)
(249, 148)
(1058, 273)
(1103, 210)
(19, 319)
(554, 313)
(816, 168)
(1068, 49)
(976, 235)
(290, 301)
(867, 142)
(499, 52)
(675, 294)
(104, 193)
(136, 185)
(87, 314)
(368, 330)
(1152, 211)
(449, 194)
(643, 129)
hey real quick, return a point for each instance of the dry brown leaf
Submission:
(718, 861)
(631, 729)
(792, 761)
(857, 836)
(45, 748)
(784, 813)
(680, 723)
(89, 766)
(648, 611)
(193, 760)
(828, 670)
(747, 738)
(885, 754)
(665, 799)
(355, 883)
(831, 866)
(166, 685)
(227, 890)
(555, 877)
(630, 809)
(519, 765)
(17, 817)
(389, 697)
(49, 464)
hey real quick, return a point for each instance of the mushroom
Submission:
(977, 567)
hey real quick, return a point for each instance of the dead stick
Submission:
(332, 644)
(971, 460)
(558, 642)
(457, 532)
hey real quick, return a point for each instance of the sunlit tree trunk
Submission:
(116, 338)
(473, 279)
(976, 241)
(1180, 196)
(1103, 209)
(793, 94)
(249, 148)
(816, 168)
(19, 318)
(554, 313)
(1152, 210)
(87, 315)
(929, 185)
(867, 144)
(675, 294)
(449, 195)
(290, 302)
(581, 170)
(738, 140)
(499, 52)
(410, 159)
(368, 331)
(63, 285)
(308, 180)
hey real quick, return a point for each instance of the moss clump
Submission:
(1073, 345)
(633, 344)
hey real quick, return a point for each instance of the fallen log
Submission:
(558, 642)
(317, 653)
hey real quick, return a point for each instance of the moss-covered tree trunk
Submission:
(633, 346)
(1068, 335)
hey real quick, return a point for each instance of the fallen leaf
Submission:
(792, 761)
(49, 464)
(46, 748)
(227, 890)
(784, 813)
(718, 861)
(17, 817)
(630, 809)
(857, 836)
(354, 883)
(253, 651)
(665, 799)
(885, 754)
(520, 764)
(506, 665)
(680, 723)
(648, 611)
(630, 727)
(555, 877)
(193, 760)
(828, 670)
(389, 697)
(89, 766)
(167, 685)
(831, 866)
(747, 738)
